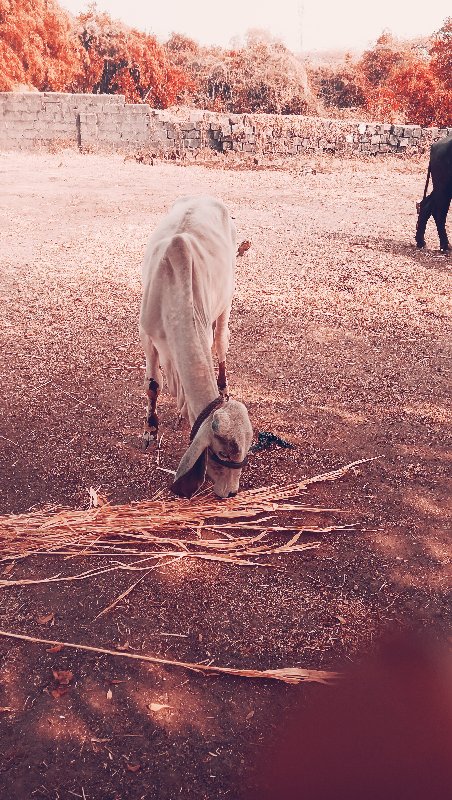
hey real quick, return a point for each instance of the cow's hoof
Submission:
(420, 245)
(149, 438)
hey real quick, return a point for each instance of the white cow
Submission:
(188, 284)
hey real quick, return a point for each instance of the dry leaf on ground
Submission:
(63, 676)
(60, 691)
(158, 706)
(243, 247)
(133, 767)
(46, 618)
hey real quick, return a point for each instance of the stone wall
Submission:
(33, 119)
(105, 123)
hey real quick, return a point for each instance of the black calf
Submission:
(437, 203)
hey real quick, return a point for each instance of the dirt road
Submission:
(341, 343)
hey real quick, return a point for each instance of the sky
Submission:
(303, 25)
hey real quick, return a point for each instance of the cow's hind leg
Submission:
(152, 385)
(441, 207)
(221, 349)
(424, 214)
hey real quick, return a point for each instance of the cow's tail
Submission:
(427, 182)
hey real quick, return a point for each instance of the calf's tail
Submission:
(427, 182)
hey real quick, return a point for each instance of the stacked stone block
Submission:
(107, 123)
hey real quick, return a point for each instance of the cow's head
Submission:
(219, 449)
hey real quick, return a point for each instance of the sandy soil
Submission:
(340, 344)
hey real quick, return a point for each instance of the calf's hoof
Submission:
(420, 245)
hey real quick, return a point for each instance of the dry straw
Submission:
(234, 531)
(202, 528)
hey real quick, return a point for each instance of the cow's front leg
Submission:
(152, 386)
(151, 425)
(222, 381)
(221, 348)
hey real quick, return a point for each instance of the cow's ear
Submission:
(191, 471)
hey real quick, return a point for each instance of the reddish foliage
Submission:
(414, 94)
(417, 93)
(43, 47)
(381, 62)
(441, 55)
(409, 82)
(339, 87)
(37, 46)
(383, 103)
(118, 59)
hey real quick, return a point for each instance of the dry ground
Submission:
(340, 343)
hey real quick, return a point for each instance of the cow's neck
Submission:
(201, 390)
(197, 376)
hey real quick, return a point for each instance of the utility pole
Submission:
(301, 23)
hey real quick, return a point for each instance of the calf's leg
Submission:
(424, 213)
(441, 207)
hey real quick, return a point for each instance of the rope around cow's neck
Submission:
(205, 413)
(265, 439)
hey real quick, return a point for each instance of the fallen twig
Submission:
(286, 674)
(9, 440)
(130, 589)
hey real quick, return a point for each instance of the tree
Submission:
(260, 76)
(37, 45)
(417, 94)
(339, 87)
(267, 77)
(119, 59)
(404, 81)
(379, 63)
(441, 55)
